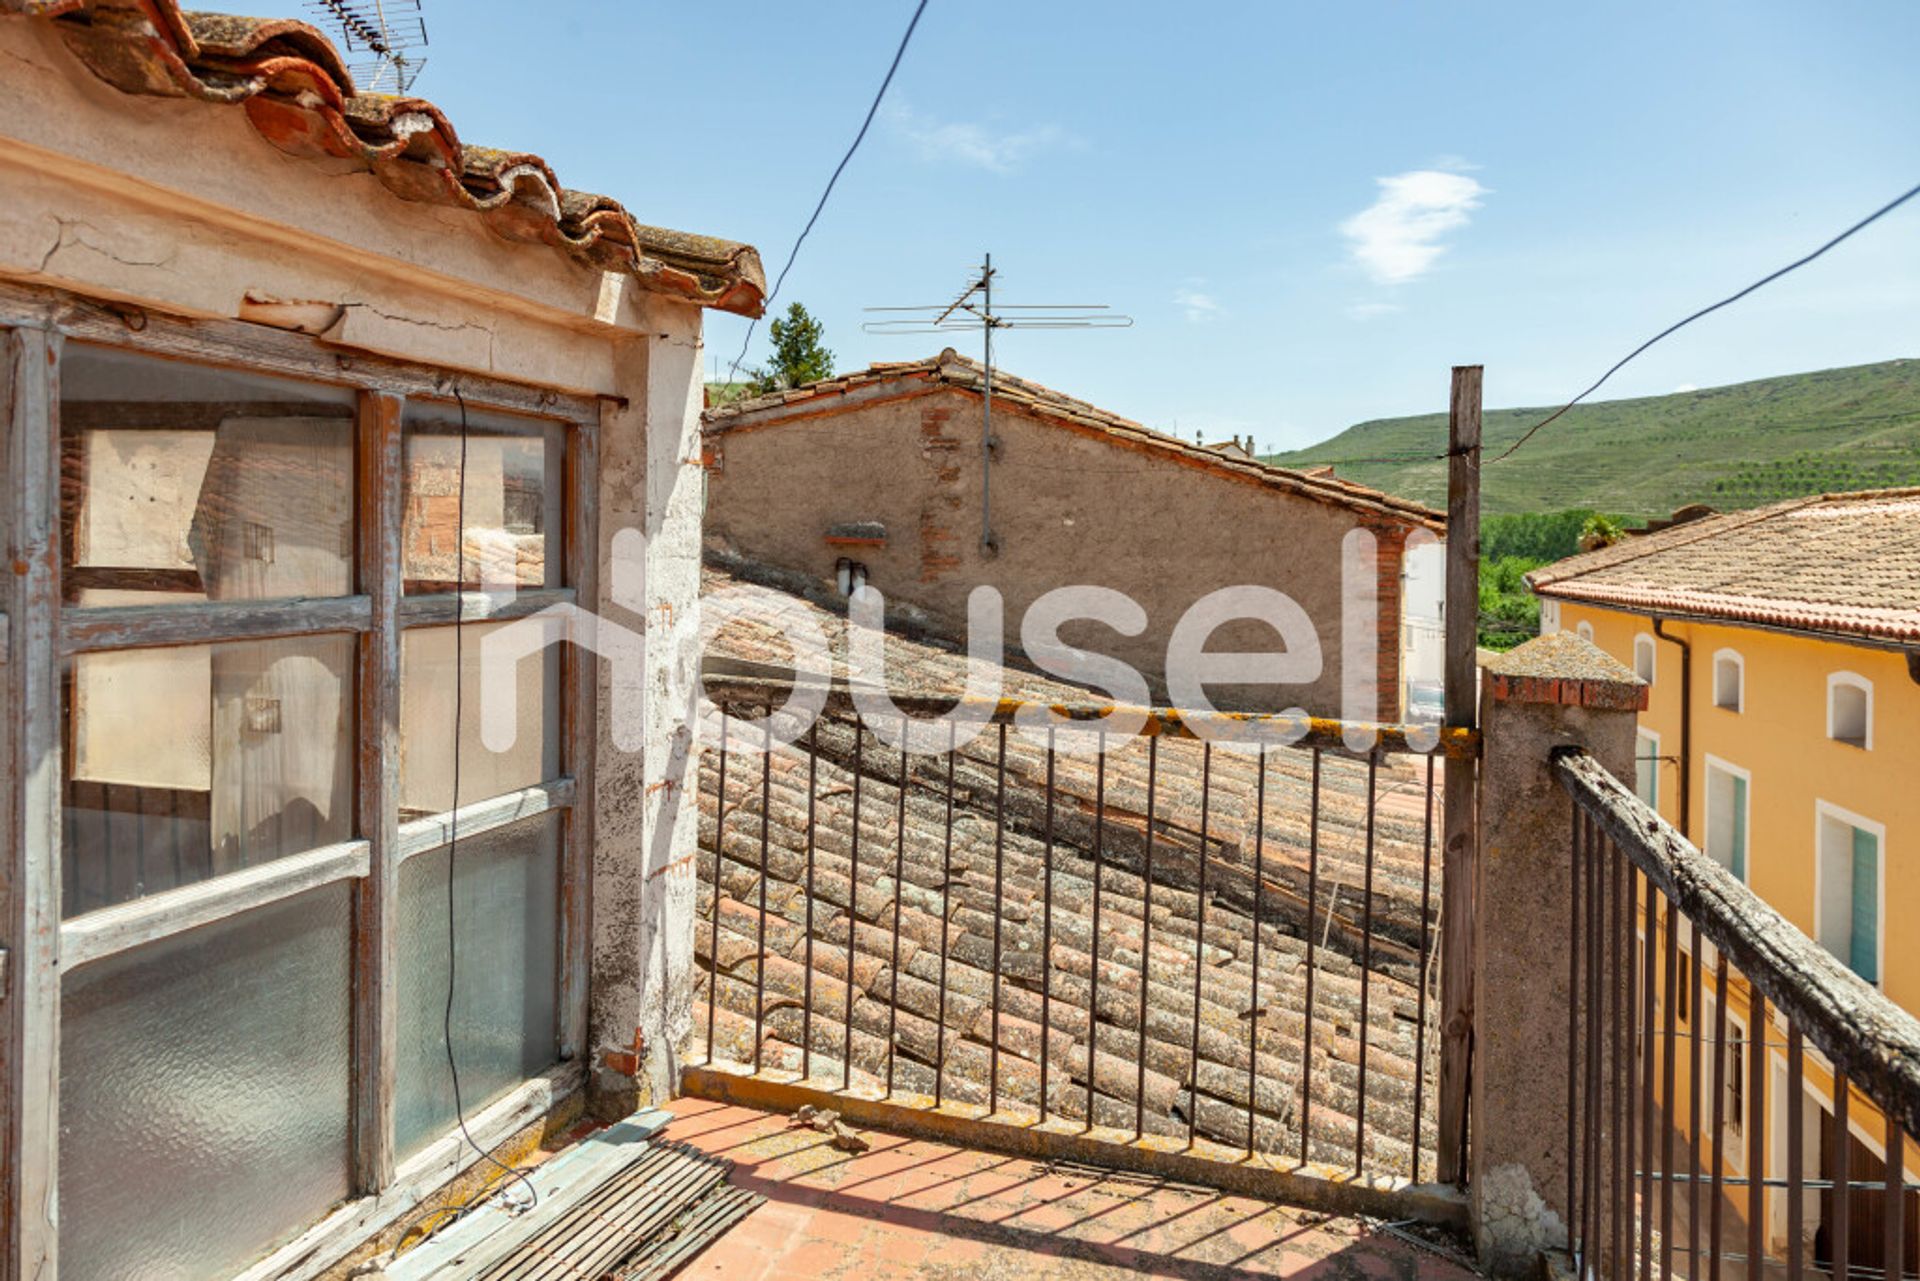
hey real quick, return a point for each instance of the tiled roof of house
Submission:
(299, 95)
(950, 369)
(1147, 972)
(1836, 564)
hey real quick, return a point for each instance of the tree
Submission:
(798, 356)
(1600, 531)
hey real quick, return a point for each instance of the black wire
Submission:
(1730, 299)
(453, 815)
(857, 139)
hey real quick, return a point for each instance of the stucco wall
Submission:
(179, 207)
(1068, 509)
(1780, 737)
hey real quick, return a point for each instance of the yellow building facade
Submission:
(1782, 737)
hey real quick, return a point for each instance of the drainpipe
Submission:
(1686, 724)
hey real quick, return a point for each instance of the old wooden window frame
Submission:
(38, 634)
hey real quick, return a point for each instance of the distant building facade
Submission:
(877, 477)
(1782, 645)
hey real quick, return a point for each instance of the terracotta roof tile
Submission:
(1837, 564)
(1148, 958)
(299, 95)
(950, 369)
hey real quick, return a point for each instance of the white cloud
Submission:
(1197, 307)
(972, 144)
(1369, 310)
(1685, 387)
(1397, 238)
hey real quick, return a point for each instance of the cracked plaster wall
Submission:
(179, 207)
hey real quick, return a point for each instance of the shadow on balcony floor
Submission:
(910, 1208)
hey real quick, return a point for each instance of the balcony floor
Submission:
(911, 1208)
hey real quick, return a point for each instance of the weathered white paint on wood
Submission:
(157, 916)
(34, 826)
(424, 834)
(375, 950)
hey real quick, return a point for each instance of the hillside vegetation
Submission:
(1731, 447)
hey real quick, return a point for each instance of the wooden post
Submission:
(376, 896)
(32, 927)
(1462, 817)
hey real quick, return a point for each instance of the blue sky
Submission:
(1311, 210)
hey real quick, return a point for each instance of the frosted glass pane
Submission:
(199, 760)
(203, 1093)
(196, 483)
(530, 689)
(514, 471)
(506, 901)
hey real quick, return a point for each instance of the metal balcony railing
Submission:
(1739, 1103)
(1163, 940)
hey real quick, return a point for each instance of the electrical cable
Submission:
(1618, 365)
(1730, 299)
(872, 111)
(453, 814)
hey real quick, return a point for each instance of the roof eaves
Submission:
(299, 96)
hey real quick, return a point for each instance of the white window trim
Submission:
(1585, 630)
(1739, 662)
(1735, 1141)
(1653, 657)
(1861, 683)
(1652, 737)
(1549, 616)
(1711, 763)
(1822, 810)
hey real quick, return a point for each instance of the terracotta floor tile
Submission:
(914, 1209)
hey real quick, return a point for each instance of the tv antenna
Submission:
(973, 310)
(383, 32)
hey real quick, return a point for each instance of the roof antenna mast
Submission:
(973, 310)
(381, 32)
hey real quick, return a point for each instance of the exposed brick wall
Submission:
(1389, 555)
(943, 502)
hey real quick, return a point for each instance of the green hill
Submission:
(1731, 447)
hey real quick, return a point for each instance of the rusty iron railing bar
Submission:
(806, 991)
(1046, 930)
(999, 900)
(1631, 1070)
(1714, 1244)
(1670, 946)
(1254, 1011)
(1693, 1114)
(1366, 966)
(1304, 732)
(1146, 945)
(1619, 981)
(1590, 1123)
(760, 925)
(1648, 966)
(1843, 1152)
(1846, 1018)
(1575, 870)
(1894, 1249)
(1756, 1131)
(1426, 956)
(1093, 946)
(946, 914)
(1199, 943)
(1313, 931)
(1796, 1153)
(853, 906)
(719, 864)
(899, 883)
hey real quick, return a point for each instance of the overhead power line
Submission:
(858, 138)
(1729, 300)
(1675, 327)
